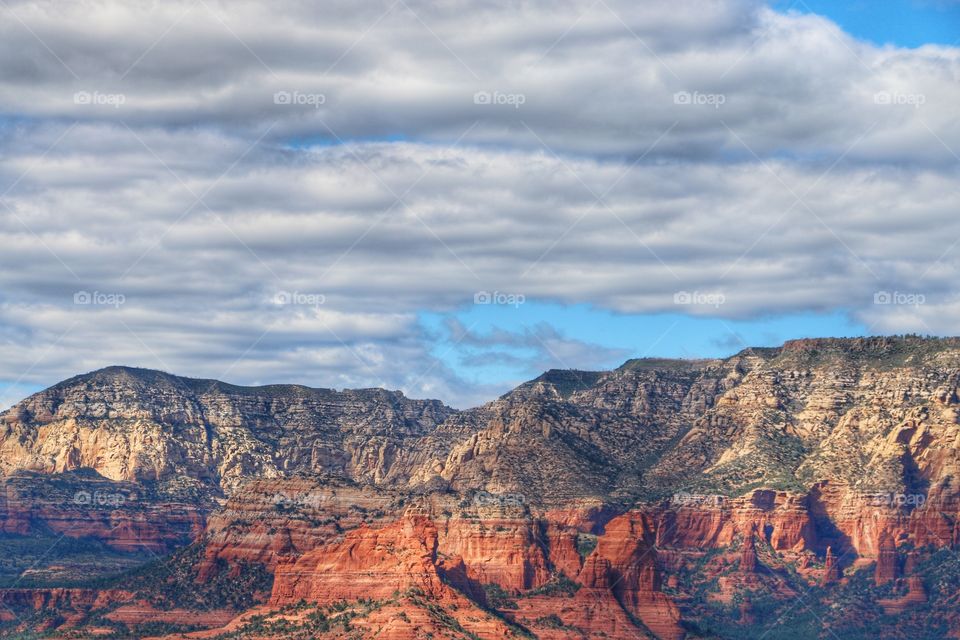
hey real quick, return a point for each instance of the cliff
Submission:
(644, 501)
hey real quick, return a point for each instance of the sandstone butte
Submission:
(664, 499)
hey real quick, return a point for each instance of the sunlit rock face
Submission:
(621, 502)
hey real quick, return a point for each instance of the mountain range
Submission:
(809, 490)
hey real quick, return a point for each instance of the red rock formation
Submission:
(497, 548)
(409, 556)
(748, 553)
(634, 577)
(831, 569)
(594, 608)
(887, 559)
(916, 595)
(72, 606)
(131, 525)
(60, 599)
(563, 527)
(595, 573)
(698, 521)
(271, 522)
(141, 613)
(368, 563)
(398, 564)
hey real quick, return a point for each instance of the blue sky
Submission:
(616, 336)
(905, 23)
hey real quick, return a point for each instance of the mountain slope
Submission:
(663, 499)
(136, 424)
(878, 414)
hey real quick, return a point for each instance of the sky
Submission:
(903, 23)
(450, 198)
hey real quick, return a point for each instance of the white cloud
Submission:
(787, 167)
(595, 78)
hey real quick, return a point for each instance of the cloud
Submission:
(531, 350)
(378, 160)
(689, 80)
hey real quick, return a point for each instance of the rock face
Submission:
(567, 504)
(367, 563)
(270, 522)
(411, 554)
(396, 561)
(84, 505)
(887, 560)
(140, 425)
(748, 553)
(805, 417)
(634, 576)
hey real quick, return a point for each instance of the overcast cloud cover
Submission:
(263, 193)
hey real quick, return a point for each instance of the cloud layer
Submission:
(261, 195)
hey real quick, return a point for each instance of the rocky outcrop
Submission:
(831, 568)
(748, 553)
(633, 574)
(915, 596)
(59, 599)
(140, 425)
(415, 554)
(368, 563)
(499, 549)
(122, 515)
(887, 568)
(739, 469)
(270, 522)
(397, 564)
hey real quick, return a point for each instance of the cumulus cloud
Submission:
(699, 79)
(276, 194)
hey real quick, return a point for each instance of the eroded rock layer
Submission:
(662, 499)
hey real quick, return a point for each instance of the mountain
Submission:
(665, 498)
(147, 426)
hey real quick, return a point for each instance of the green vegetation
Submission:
(851, 609)
(559, 585)
(673, 364)
(568, 382)
(54, 560)
(498, 598)
(174, 582)
(148, 629)
(586, 543)
(553, 621)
